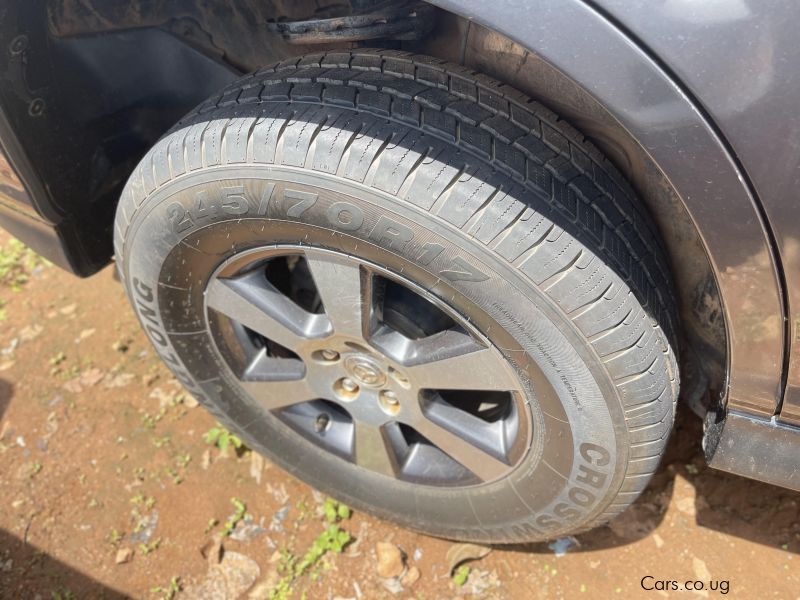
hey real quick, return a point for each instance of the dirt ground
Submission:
(109, 489)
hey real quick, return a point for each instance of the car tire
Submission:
(391, 232)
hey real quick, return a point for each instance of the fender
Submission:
(683, 143)
(759, 137)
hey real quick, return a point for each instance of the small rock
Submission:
(74, 386)
(247, 530)
(658, 540)
(481, 581)
(30, 332)
(120, 380)
(231, 578)
(205, 460)
(164, 398)
(51, 424)
(124, 555)
(278, 518)
(68, 310)
(411, 577)
(86, 333)
(190, 402)
(256, 466)
(263, 589)
(91, 377)
(700, 569)
(392, 585)
(389, 560)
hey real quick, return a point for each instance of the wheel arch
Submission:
(568, 56)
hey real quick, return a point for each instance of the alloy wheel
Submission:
(367, 365)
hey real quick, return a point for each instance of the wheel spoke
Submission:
(481, 463)
(488, 436)
(279, 394)
(345, 291)
(255, 303)
(450, 360)
(373, 450)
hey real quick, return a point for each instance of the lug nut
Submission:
(399, 378)
(389, 402)
(331, 355)
(346, 389)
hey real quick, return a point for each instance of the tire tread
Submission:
(355, 101)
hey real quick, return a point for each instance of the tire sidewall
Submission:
(578, 457)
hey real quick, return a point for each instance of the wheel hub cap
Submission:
(365, 370)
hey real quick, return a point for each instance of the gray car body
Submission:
(709, 92)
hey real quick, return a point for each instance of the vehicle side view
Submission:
(452, 262)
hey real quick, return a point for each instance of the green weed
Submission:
(335, 511)
(223, 439)
(211, 524)
(235, 518)
(146, 549)
(170, 591)
(115, 537)
(141, 500)
(461, 575)
(332, 539)
(183, 460)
